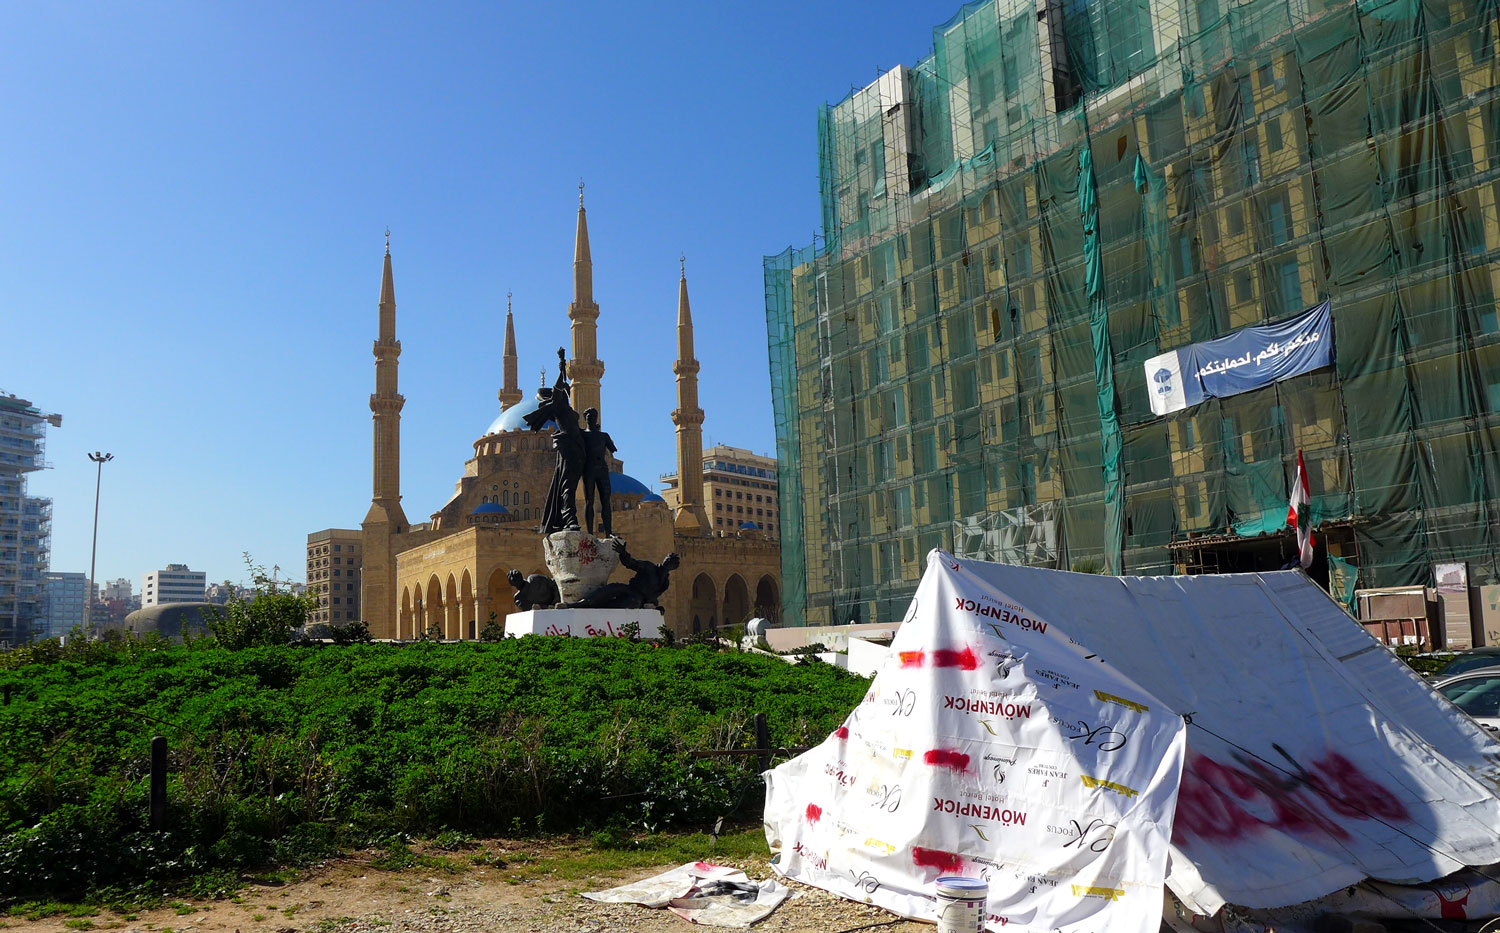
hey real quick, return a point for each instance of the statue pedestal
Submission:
(583, 623)
(580, 563)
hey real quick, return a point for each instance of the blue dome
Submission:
(749, 526)
(620, 484)
(652, 497)
(490, 508)
(512, 419)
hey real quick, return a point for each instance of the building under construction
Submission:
(25, 521)
(1063, 190)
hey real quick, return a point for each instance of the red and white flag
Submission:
(1299, 514)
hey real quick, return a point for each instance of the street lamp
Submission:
(101, 460)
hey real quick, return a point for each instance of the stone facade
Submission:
(446, 577)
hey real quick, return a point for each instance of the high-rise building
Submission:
(1062, 191)
(175, 584)
(25, 521)
(66, 597)
(333, 565)
(739, 490)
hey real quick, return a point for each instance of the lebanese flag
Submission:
(1299, 514)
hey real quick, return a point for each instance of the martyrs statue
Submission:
(597, 447)
(560, 510)
(537, 591)
(644, 590)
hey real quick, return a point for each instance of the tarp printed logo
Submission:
(901, 703)
(1102, 834)
(886, 797)
(983, 811)
(1009, 709)
(991, 611)
(1121, 789)
(1000, 765)
(1080, 890)
(1108, 740)
(1005, 662)
(839, 775)
(1128, 704)
(814, 859)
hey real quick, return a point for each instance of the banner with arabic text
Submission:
(1238, 362)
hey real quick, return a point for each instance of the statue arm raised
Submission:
(628, 562)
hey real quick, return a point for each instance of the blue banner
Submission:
(1238, 362)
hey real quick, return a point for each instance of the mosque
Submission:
(447, 576)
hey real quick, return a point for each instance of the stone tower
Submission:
(691, 517)
(585, 370)
(385, 520)
(510, 392)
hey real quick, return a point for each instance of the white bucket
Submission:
(961, 903)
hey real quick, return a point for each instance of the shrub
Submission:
(279, 755)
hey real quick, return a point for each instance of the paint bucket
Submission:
(960, 904)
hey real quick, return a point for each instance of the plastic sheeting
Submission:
(1315, 758)
(989, 746)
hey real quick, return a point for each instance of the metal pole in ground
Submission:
(158, 783)
(101, 459)
(763, 741)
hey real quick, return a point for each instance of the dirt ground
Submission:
(537, 889)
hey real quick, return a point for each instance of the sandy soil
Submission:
(350, 896)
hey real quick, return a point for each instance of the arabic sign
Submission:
(992, 746)
(1244, 360)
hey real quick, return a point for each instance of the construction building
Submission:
(739, 490)
(1061, 191)
(446, 577)
(333, 574)
(25, 521)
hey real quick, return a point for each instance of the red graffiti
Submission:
(913, 658)
(842, 732)
(1221, 801)
(964, 660)
(936, 858)
(1453, 907)
(814, 813)
(950, 758)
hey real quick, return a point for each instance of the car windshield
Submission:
(1466, 663)
(1477, 696)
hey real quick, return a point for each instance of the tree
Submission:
(267, 618)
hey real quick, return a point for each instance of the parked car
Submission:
(1476, 693)
(1471, 659)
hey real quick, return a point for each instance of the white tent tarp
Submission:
(1031, 727)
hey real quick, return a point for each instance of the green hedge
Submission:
(285, 753)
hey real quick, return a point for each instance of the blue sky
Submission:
(194, 197)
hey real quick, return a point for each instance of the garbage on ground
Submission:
(701, 892)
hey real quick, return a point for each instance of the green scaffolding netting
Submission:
(1014, 224)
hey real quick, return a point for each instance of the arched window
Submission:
(505, 497)
(526, 497)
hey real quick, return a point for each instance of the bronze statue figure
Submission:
(560, 510)
(597, 447)
(642, 592)
(537, 591)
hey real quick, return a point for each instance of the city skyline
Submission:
(198, 229)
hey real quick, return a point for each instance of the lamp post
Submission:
(101, 460)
